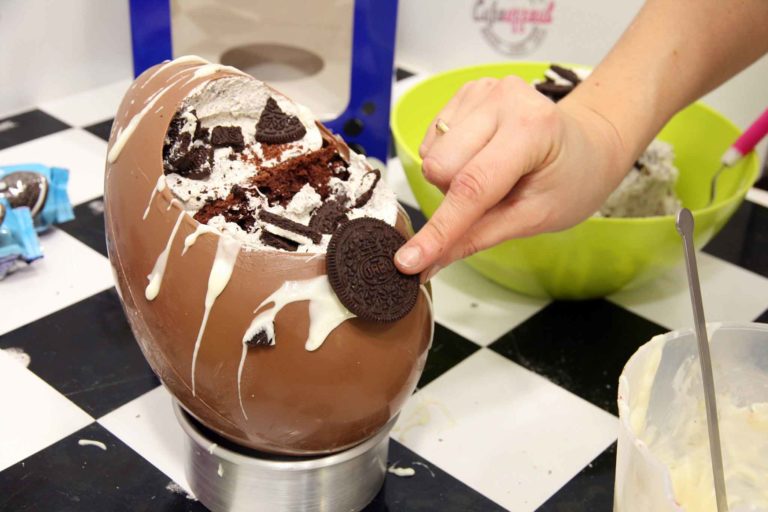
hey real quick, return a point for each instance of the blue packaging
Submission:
(18, 238)
(40, 188)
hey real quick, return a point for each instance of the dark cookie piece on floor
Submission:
(362, 272)
(260, 339)
(285, 224)
(195, 164)
(328, 217)
(278, 242)
(366, 196)
(277, 127)
(231, 136)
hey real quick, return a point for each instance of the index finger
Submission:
(473, 191)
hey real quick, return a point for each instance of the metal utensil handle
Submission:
(685, 228)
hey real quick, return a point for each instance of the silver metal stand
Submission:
(227, 478)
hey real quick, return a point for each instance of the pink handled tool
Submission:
(743, 145)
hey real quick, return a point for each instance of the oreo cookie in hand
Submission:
(362, 271)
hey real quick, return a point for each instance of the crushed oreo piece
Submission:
(25, 188)
(195, 164)
(553, 91)
(366, 196)
(328, 217)
(566, 74)
(362, 272)
(278, 242)
(285, 228)
(277, 127)
(227, 136)
(260, 339)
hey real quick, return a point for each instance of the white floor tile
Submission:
(81, 152)
(90, 106)
(147, 424)
(758, 196)
(34, 414)
(476, 308)
(729, 293)
(53, 282)
(507, 432)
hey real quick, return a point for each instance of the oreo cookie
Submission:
(277, 127)
(362, 272)
(196, 164)
(231, 136)
(566, 74)
(366, 196)
(260, 339)
(289, 229)
(328, 217)
(278, 242)
(25, 188)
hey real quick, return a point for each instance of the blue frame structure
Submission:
(364, 124)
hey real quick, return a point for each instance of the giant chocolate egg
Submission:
(307, 378)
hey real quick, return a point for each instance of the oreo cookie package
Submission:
(18, 239)
(41, 189)
(33, 197)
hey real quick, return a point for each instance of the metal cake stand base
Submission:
(224, 477)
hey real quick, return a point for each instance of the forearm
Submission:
(674, 52)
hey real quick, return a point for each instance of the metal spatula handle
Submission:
(685, 228)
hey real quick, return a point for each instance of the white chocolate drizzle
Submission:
(158, 188)
(125, 134)
(326, 313)
(191, 238)
(156, 276)
(227, 250)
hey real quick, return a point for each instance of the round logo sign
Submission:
(514, 27)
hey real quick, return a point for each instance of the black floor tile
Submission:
(580, 346)
(743, 241)
(27, 126)
(88, 353)
(448, 350)
(430, 489)
(68, 477)
(591, 489)
(417, 218)
(401, 73)
(101, 129)
(763, 318)
(88, 226)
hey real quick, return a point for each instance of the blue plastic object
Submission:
(364, 124)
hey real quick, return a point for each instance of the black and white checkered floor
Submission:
(515, 411)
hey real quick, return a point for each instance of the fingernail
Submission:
(432, 272)
(408, 257)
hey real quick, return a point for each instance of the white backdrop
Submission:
(435, 35)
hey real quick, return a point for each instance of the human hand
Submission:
(512, 164)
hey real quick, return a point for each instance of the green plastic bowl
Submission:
(600, 255)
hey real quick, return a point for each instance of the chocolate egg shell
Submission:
(298, 402)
